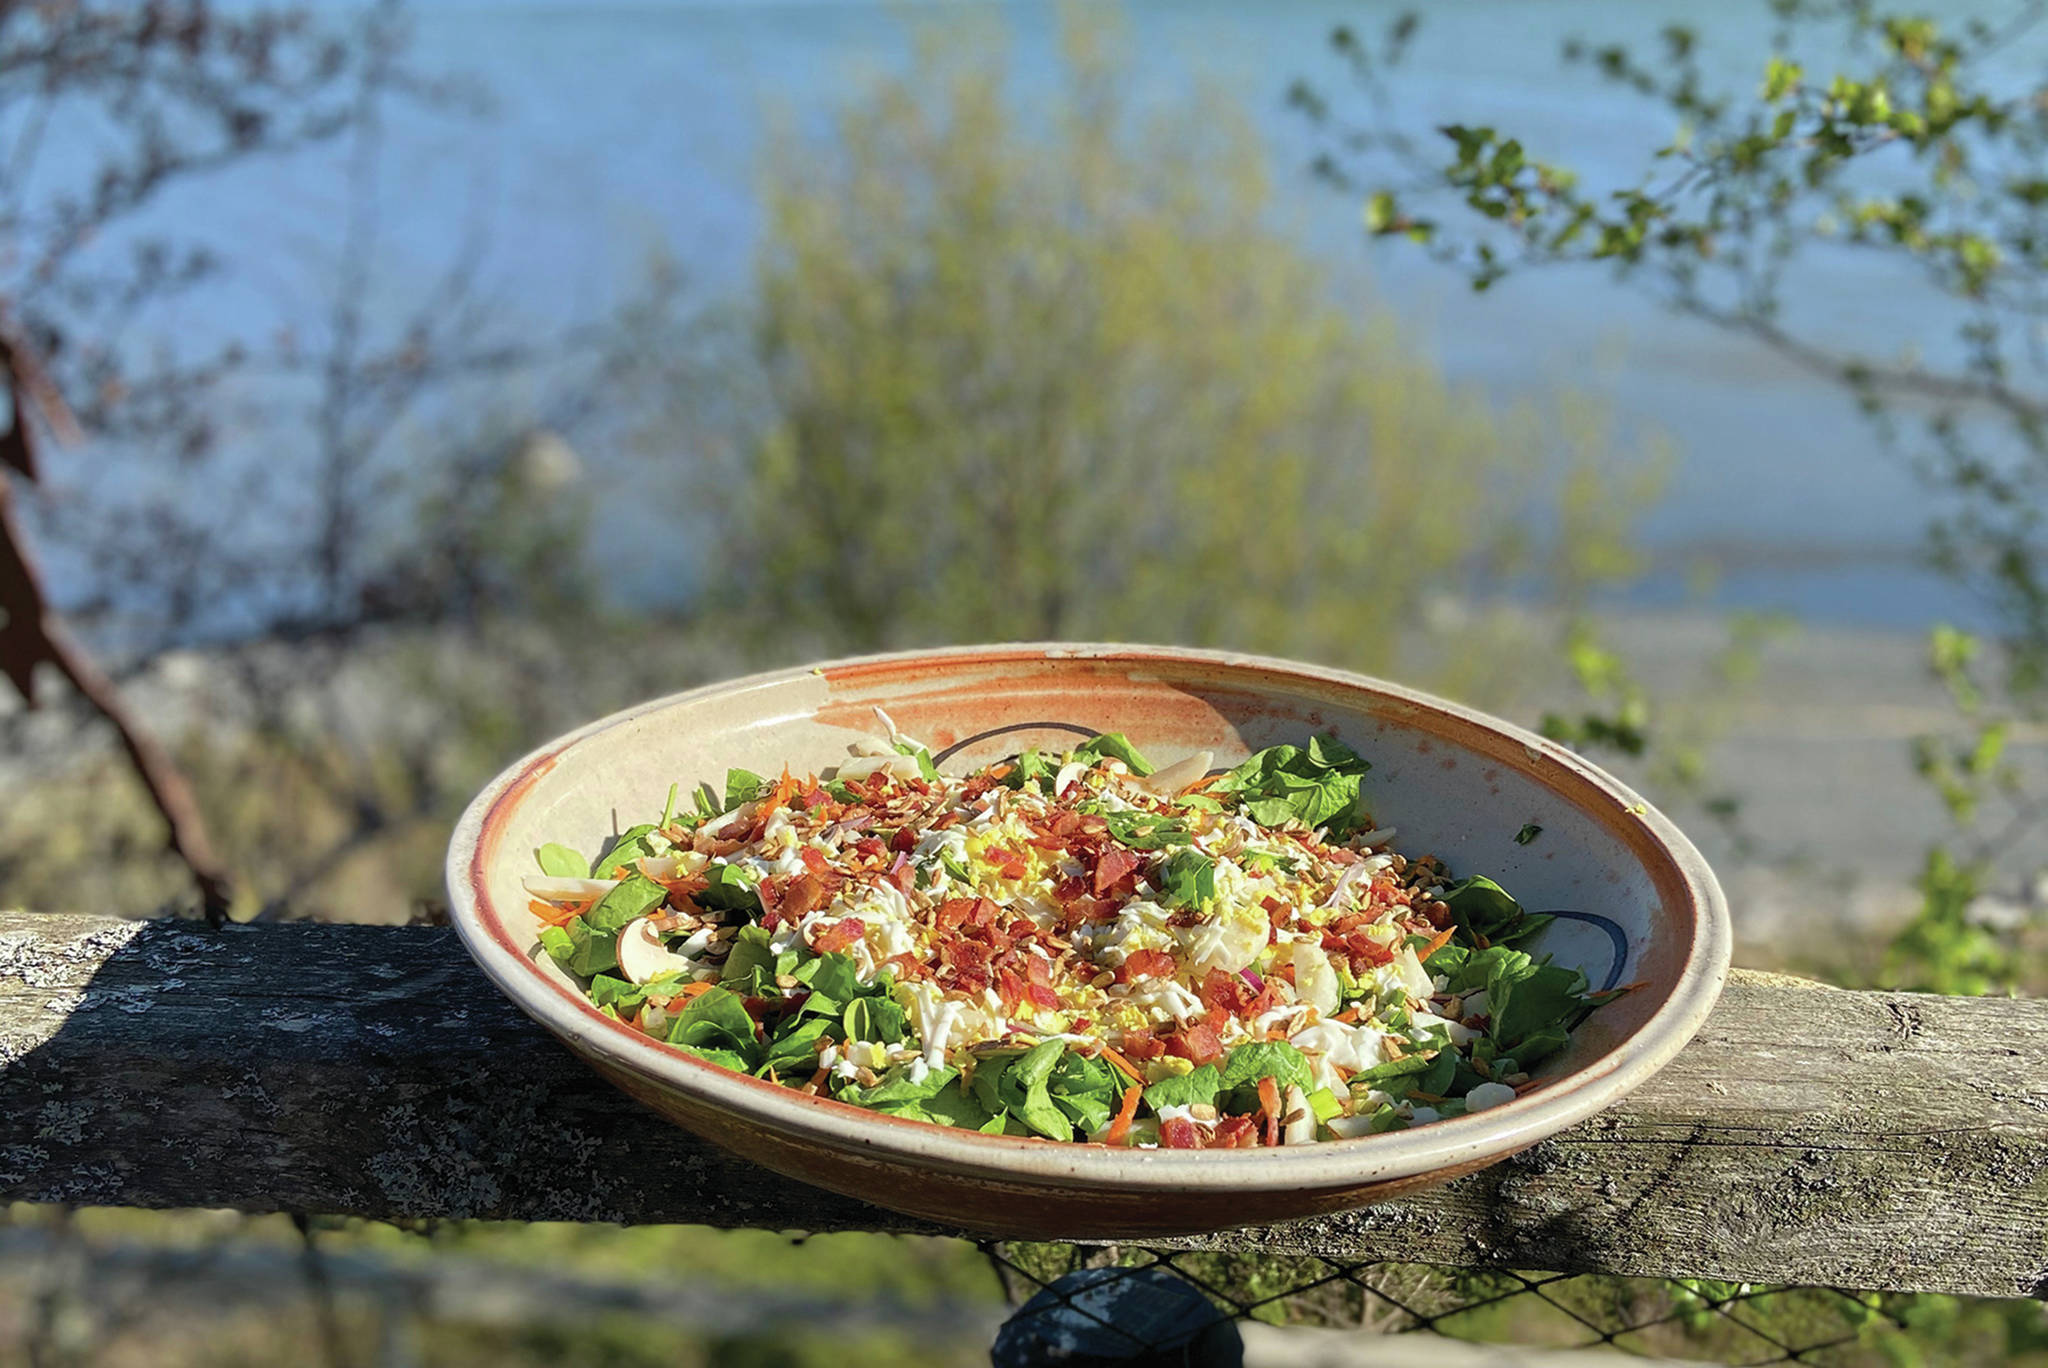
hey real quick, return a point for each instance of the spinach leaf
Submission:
(1529, 832)
(580, 950)
(1118, 746)
(1188, 879)
(875, 1019)
(752, 967)
(1316, 785)
(1484, 908)
(896, 1087)
(606, 990)
(1185, 1090)
(627, 847)
(560, 862)
(1141, 830)
(706, 798)
(730, 888)
(717, 1019)
(835, 979)
(634, 896)
(1030, 768)
(951, 1106)
(743, 786)
(1085, 1089)
(793, 1053)
(1531, 1005)
(1274, 1059)
(1021, 1091)
(722, 1057)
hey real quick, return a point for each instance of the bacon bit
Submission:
(951, 913)
(907, 966)
(1235, 1132)
(1081, 1023)
(1198, 1044)
(839, 935)
(1140, 1045)
(1144, 964)
(903, 874)
(1115, 867)
(1230, 995)
(1128, 1112)
(905, 838)
(1277, 912)
(1042, 996)
(814, 860)
(1436, 943)
(1179, 1133)
(805, 894)
(1269, 1103)
(1037, 970)
(1010, 989)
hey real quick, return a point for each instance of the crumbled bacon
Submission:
(1197, 1043)
(1144, 964)
(839, 935)
(1177, 1132)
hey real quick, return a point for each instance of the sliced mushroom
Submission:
(550, 889)
(642, 956)
(1069, 774)
(1176, 776)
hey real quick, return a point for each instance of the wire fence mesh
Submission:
(1110, 1296)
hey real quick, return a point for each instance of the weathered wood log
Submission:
(1809, 1135)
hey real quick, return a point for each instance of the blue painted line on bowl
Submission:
(1614, 933)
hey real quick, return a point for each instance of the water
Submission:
(620, 130)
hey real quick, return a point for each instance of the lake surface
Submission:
(620, 129)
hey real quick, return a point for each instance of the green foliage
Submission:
(1002, 364)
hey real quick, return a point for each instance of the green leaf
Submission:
(722, 1057)
(580, 950)
(951, 1106)
(730, 888)
(629, 846)
(560, 862)
(1274, 1059)
(896, 1088)
(794, 1049)
(1529, 832)
(1031, 767)
(634, 896)
(1118, 746)
(743, 786)
(1087, 1090)
(1022, 1091)
(1317, 785)
(752, 966)
(875, 1019)
(607, 990)
(1484, 908)
(717, 1019)
(1185, 1090)
(834, 979)
(1188, 879)
(1142, 830)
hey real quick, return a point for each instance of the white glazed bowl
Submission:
(1640, 904)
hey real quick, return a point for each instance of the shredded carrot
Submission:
(1436, 943)
(1128, 1069)
(1348, 1015)
(691, 990)
(559, 914)
(1121, 1126)
(785, 787)
(817, 1079)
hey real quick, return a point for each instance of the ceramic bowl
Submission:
(1635, 901)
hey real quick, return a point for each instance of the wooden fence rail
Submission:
(1884, 1141)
